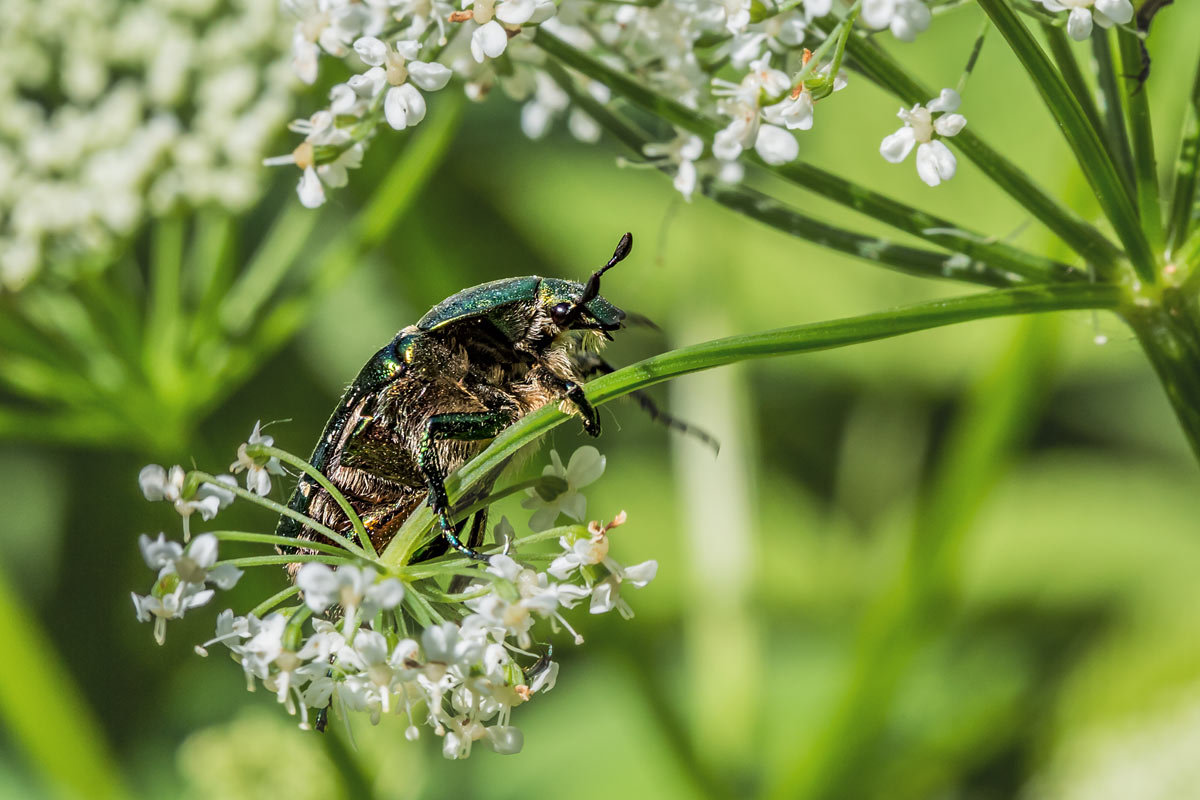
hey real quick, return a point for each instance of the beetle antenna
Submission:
(592, 289)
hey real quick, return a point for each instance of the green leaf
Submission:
(44, 713)
(733, 349)
(1093, 158)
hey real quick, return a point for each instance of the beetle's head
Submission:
(575, 306)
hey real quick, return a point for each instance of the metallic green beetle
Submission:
(432, 397)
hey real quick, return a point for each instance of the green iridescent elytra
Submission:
(433, 396)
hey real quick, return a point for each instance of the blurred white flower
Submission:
(904, 18)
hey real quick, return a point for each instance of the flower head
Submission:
(258, 469)
(1082, 13)
(586, 466)
(207, 498)
(935, 162)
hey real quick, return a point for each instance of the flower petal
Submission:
(935, 163)
(488, 41)
(949, 124)
(403, 106)
(1119, 11)
(372, 51)
(947, 100)
(515, 12)
(429, 76)
(775, 145)
(312, 194)
(1079, 24)
(896, 147)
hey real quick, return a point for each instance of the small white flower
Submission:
(258, 470)
(1082, 13)
(585, 467)
(682, 152)
(159, 484)
(403, 106)
(165, 605)
(935, 162)
(905, 18)
(351, 587)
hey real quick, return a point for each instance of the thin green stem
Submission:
(1081, 237)
(1183, 195)
(295, 558)
(1093, 158)
(1068, 65)
(940, 231)
(299, 463)
(1137, 113)
(162, 322)
(784, 341)
(284, 541)
(279, 508)
(1108, 92)
(274, 600)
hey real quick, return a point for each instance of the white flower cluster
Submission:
(183, 578)
(1082, 13)
(727, 59)
(363, 641)
(117, 111)
(935, 162)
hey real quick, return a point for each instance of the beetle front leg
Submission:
(591, 420)
(464, 426)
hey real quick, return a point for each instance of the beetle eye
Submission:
(560, 312)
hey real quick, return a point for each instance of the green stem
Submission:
(765, 209)
(1137, 112)
(1109, 92)
(279, 508)
(1068, 65)
(274, 600)
(294, 558)
(1169, 332)
(891, 212)
(1093, 158)
(1183, 196)
(285, 541)
(719, 352)
(1077, 234)
(299, 463)
(44, 712)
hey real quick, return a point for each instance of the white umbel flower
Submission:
(1082, 13)
(935, 162)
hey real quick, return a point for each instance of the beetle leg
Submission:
(474, 539)
(463, 426)
(591, 420)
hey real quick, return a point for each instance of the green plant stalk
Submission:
(162, 320)
(1068, 65)
(1183, 195)
(283, 541)
(1108, 90)
(1169, 332)
(279, 508)
(1137, 113)
(756, 205)
(46, 715)
(891, 212)
(308, 469)
(923, 593)
(274, 600)
(1081, 237)
(1093, 158)
(719, 352)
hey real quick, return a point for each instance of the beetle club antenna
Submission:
(592, 289)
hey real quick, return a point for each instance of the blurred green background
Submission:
(958, 564)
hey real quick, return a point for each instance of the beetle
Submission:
(432, 398)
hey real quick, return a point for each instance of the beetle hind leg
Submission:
(463, 426)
